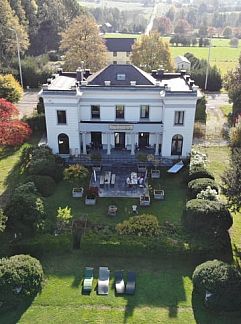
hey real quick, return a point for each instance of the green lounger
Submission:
(88, 279)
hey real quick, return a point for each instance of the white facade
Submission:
(166, 126)
(182, 63)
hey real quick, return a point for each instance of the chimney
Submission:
(107, 83)
(49, 80)
(133, 83)
(161, 71)
(60, 71)
(191, 83)
(183, 72)
(153, 73)
(84, 83)
(87, 73)
(187, 78)
(79, 74)
(45, 86)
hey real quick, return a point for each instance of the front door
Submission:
(143, 140)
(120, 140)
(96, 140)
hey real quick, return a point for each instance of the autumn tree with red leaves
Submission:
(12, 130)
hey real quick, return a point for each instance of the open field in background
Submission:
(222, 55)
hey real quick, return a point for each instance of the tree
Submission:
(227, 32)
(232, 180)
(182, 27)
(232, 84)
(82, 42)
(150, 51)
(12, 131)
(10, 89)
(234, 42)
(163, 25)
(20, 276)
(9, 22)
(25, 211)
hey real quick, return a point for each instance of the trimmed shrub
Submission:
(199, 172)
(206, 215)
(143, 225)
(20, 276)
(25, 211)
(209, 194)
(44, 184)
(219, 285)
(197, 185)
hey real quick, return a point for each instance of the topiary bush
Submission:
(199, 172)
(20, 276)
(219, 285)
(45, 185)
(143, 225)
(206, 215)
(197, 185)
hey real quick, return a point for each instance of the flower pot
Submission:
(90, 201)
(159, 194)
(77, 192)
(141, 168)
(155, 174)
(145, 200)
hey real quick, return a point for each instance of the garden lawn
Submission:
(169, 209)
(163, 294)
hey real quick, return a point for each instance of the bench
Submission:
(112, 182)
(102, 180)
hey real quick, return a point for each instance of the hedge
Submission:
(199, 172)
(44, 184)
(197, 185)
(206, 215)
(221, 281)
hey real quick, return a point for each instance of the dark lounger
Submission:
(131, 283)
(119, 282)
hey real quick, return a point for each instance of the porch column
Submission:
(108, 143)
(84, 143)
(132, 143)
(157, 144)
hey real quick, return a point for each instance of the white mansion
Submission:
(120, 107)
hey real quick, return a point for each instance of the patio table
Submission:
(134, 179)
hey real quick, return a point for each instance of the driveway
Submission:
(28, 103)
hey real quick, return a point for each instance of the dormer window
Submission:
(120, 76)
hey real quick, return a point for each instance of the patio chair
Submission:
(88, 279)
(131, 283)
(119, 282)
(103, 281)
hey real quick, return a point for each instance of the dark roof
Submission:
(119, 44)
(131, 72)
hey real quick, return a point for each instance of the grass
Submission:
(165, 210)
(164, 294)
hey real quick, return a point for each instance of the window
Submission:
(114, 53)
(144, 111)
(61, 116)
(119, 111)
(177, 142)
(179, 118)
(120, 77)
(95, 112)
(114, 62)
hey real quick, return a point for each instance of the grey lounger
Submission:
(103, 281)
(88, 279)
(131, 283)
(119, 282)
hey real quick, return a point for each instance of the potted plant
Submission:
(159, 194)
(91, 194)
(145, 200)
(76, 174)
(155, 173)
